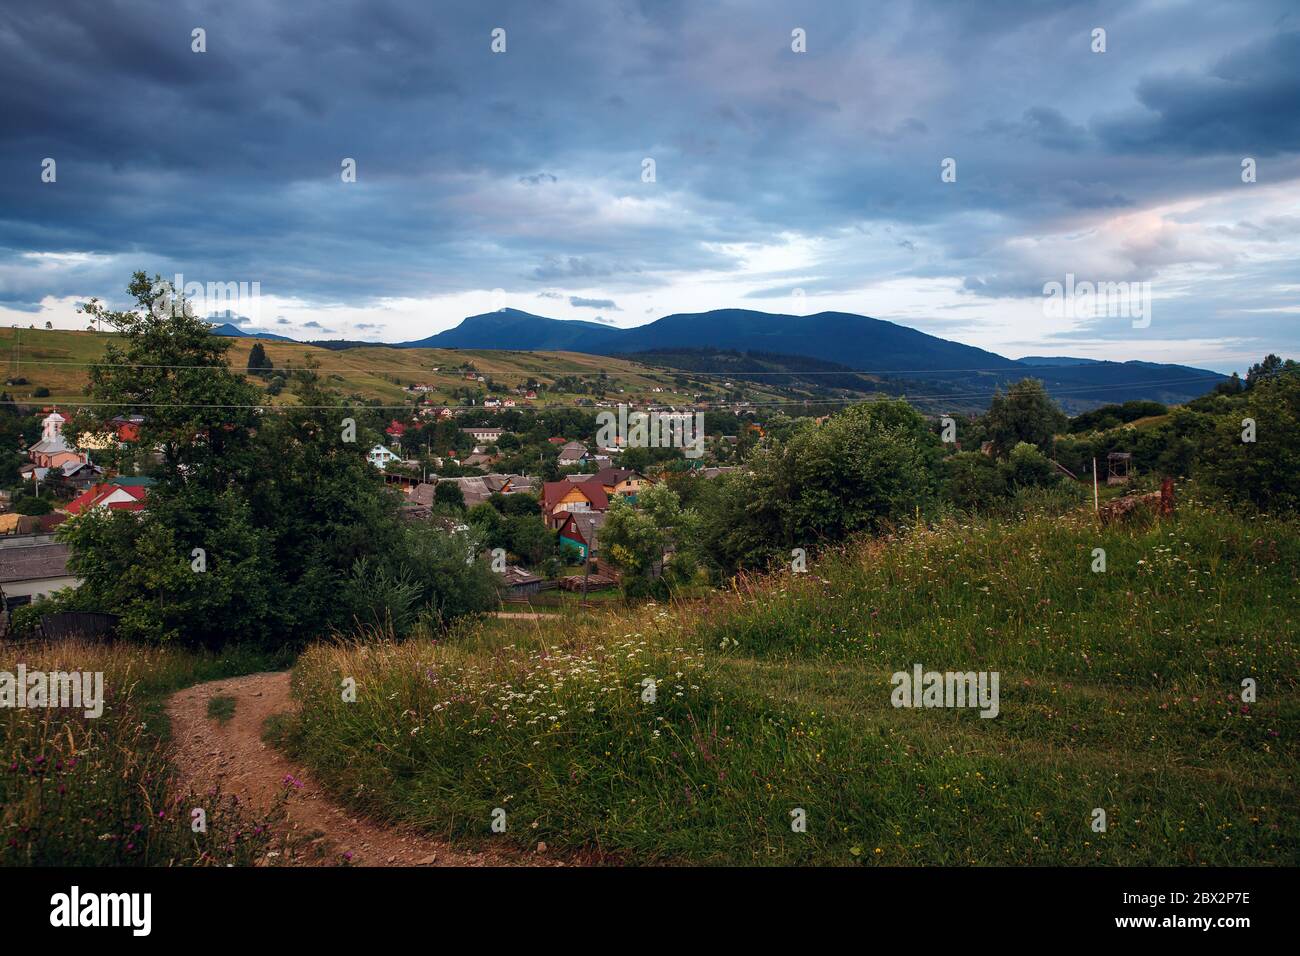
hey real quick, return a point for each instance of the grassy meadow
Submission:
(1119, 690)
(60, 360)
(78, 791)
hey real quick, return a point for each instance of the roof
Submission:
(518, 483)
(587, 524)
(612, 476)
(514, 576)
(553, 493)
(51, 445)
(93, 497)
(573, 450)
(33, 563)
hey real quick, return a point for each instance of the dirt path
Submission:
(233, 755)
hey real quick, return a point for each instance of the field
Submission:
(1120, 691)
(59, 360)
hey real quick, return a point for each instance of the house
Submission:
(474, 490)
(560, 497)
(517, 485)
(78, 475)
(519, 582)
(127, 427)
(33, 573)
(580, 531)
(380, 457)
(574, 453)
(396, 430)
(714, 472)
(53, 450)
(530, 394)
(478, 460)
(31, 525)
(621, 481)
(491, 403)
(110, 495)
(558, 441)
(490, 435)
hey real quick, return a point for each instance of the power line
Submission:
(938, 396)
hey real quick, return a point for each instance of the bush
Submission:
(1027, 467)
(974, 480)
(33, 506)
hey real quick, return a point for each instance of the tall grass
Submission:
(78, 791)
(1119, 690)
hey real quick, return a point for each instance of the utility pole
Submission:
(1096, 507)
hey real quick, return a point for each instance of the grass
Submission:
(78, 791)
(60, 360)
(221, 709)
(1120, 690)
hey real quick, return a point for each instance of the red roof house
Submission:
(110, 496)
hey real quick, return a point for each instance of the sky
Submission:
(783, 180)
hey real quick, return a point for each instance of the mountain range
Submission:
(906, 359)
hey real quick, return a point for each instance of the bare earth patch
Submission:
(232, 754)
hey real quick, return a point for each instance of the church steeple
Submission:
(52, 426)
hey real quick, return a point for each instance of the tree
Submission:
(1264, 473)
(1027, 467)
(636, 538)
(259, 363)
(168, 367)
(872, 464)
(1026, 413)
(449, 493)
(261, 525)
(529, 538)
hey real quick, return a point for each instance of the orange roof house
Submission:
(560, 497)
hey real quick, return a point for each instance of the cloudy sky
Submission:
(785, 181)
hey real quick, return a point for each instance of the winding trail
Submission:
(232, 755)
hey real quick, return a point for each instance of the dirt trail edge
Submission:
(231, 754)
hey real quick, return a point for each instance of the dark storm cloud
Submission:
(1247, 103)
(478, 171)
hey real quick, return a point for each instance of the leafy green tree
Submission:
(448, 493)
(636, 538)
(871, 465)
(528, 537)
(146, 569)
(1025, 413)
(168, 367)
(1027, 467)
(1263, 474)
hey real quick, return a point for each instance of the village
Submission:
(561, 519)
